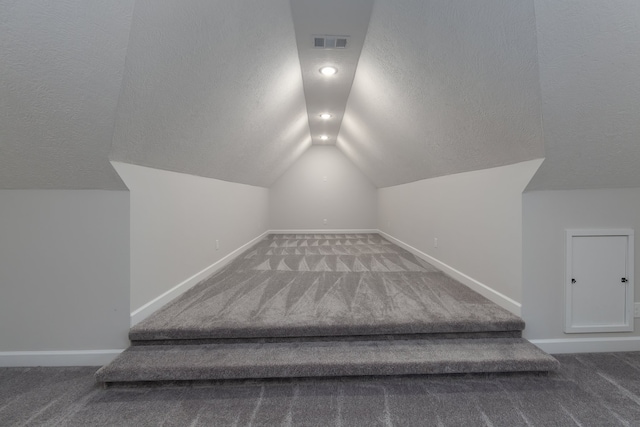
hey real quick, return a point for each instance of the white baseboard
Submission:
(588, 345)
(57, 358)
(146, 310)
(326, 231)
(484, 290)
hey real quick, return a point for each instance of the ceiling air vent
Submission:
(330, 42)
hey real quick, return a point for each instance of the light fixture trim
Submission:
(326, 116)
(328, 70)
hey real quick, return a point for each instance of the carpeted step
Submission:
(325, 359)
(440, 335)
(237, 330)
(260, 298)
(283, 332)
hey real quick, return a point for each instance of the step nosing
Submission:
(159, 363)
(284, 331)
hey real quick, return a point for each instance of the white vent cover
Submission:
(330, 42)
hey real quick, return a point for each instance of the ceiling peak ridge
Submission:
(329, 36)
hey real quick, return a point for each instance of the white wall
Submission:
(546, 215)
(477, 219)
(64, 270)
(301, 198)
(175, 221)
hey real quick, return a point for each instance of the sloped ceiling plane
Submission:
(232, 89)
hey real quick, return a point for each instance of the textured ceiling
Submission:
(325, 94)
(589, 56)
(444, 87)
(213, 88)
(61, 65)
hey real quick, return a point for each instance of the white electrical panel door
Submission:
(599, 282)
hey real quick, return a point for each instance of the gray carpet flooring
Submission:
(325, 359)
(325, 306)
(325, 285)
(588, 390)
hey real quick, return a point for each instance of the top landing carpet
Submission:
(320, 285)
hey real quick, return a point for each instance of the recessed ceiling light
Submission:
(324, 137)
(328, 71)
(325, 116)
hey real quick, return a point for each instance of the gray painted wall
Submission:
(546, 215)
(64, 273)
(175, 220)
(302, 199)
(476, 217)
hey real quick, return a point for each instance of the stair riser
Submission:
(326, 331)
(472, 335)
(190, 374)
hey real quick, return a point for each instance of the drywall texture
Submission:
(322, 184)
(546, 216)
(589, 66)
(476, 217)
(212, 89)
(65, 270)
(442, 88)
(61, 66)
(175, 221)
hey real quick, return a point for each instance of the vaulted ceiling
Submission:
(213, 88)
(589, 59)
(61, 65)
(231, 90)
(444, 87)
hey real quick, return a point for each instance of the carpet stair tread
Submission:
(324, 358)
